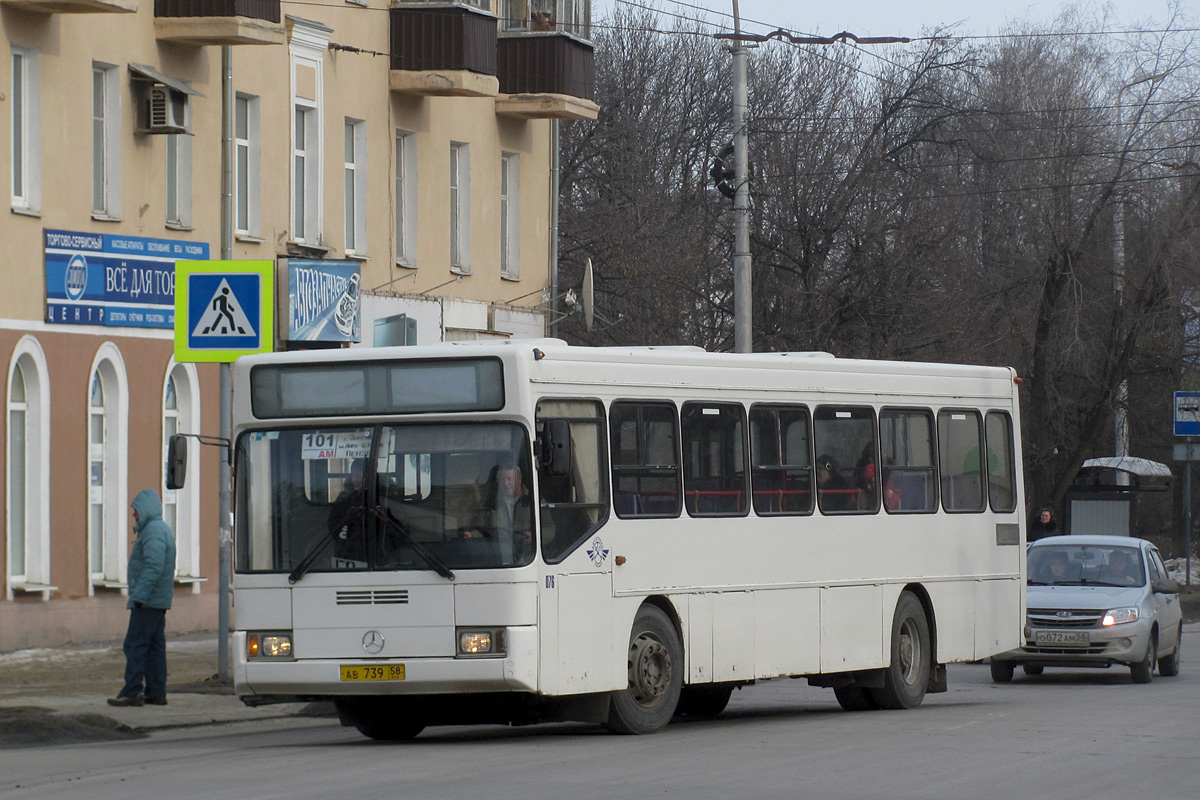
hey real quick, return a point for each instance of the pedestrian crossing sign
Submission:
(223, 309)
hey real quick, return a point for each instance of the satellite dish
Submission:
(588, 298)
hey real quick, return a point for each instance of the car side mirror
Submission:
(176, 461)
(1165, 586)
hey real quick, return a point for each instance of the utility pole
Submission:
(742, 306)
(225, 546)
(743, 338)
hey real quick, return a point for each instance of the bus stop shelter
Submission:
(1105, 495)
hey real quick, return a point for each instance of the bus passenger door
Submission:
(575, 617)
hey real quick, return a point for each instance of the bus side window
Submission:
(572, 506)
(909, 472)
(781, 475)
(846, 467)
(714, 459)
(1001, 489)
(960, 454)
(645, 459)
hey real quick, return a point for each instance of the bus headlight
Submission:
(1119, 616)
(473, 642)
(275, 645)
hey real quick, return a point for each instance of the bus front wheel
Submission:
(655, 665)
(379, 719)
(906, 678)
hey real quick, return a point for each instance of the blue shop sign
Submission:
(105, 279)
(323, 301)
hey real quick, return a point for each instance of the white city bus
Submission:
(530, 531)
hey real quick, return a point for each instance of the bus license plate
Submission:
(1077, 638)
(373, 672)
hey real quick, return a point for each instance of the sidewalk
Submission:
(58, 695)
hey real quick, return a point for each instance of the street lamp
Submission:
(1120, 423)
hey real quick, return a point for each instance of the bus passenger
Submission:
(832, 491)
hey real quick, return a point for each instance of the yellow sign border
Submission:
(183, 269)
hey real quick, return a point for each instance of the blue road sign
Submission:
(1187, 413)
(223, 309)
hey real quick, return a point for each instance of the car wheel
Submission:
(907, 676)
(1168, 666)
(1032, 669)
(1002, 671)
(655, 665)
(1143, 671)
(855, 698)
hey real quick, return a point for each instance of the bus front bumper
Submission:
(516, 671)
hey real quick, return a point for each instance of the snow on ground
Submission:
(1177, 569)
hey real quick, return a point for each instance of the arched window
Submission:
(181, 507)
(108, 414)
(28, 472)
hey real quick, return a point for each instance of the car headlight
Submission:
(274, 646)
(473, 642)
(1119, 616)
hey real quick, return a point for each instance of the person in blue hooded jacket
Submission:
(151, 577)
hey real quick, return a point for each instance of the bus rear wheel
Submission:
(655, 666)
(907, 677)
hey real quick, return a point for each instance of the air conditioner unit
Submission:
(166, 110)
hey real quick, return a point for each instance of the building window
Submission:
(106, 142)
(304, 179)
(247, 139)
(108, 412)
(356, 186)
(181, 507)
(179, 180)
(406, 199)
(26, 129)
(308, 44)
(28, 471)
(460, 207)
(510, 205)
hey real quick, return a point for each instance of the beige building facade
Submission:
(411, 142)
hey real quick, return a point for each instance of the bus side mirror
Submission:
(176, 461)
(555, 444)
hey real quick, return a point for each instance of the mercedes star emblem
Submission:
(373, 642)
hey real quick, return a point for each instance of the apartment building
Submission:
(408, 143)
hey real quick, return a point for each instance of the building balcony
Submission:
(442, 49)
(74, 6)
(218, 22)
(546, 75)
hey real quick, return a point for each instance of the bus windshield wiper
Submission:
(429, 558)
(317, 548)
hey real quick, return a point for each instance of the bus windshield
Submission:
(404, 497)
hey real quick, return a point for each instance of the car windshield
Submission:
(1078, 565)
(406, 497)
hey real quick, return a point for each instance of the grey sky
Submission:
(897, 18)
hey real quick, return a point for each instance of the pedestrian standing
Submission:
(151, 586)
(1044, 526)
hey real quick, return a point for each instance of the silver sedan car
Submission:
(1096, 601)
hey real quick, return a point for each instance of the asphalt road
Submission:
(1068, 734)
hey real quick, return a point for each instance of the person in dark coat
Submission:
(151, 576)
(1044, 526)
